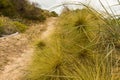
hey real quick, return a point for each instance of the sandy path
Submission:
(16, 69)
(50, 28)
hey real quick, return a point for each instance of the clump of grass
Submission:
(47, 57)
(52, 63)
(40, 44)
(79, 30)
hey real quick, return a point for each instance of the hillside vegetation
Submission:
(23, 9)
(17, 15)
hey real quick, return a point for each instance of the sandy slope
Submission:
(19, 53)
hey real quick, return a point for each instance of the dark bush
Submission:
(54, 14)
(23, 9)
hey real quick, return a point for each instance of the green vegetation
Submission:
(81, 48)
(20, 27)
(13, 13)
(7, 26)
(23, 9)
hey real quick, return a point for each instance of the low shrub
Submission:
(7, 26)
(19, 26)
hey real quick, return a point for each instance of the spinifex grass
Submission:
(81, 48)
(51, 62)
